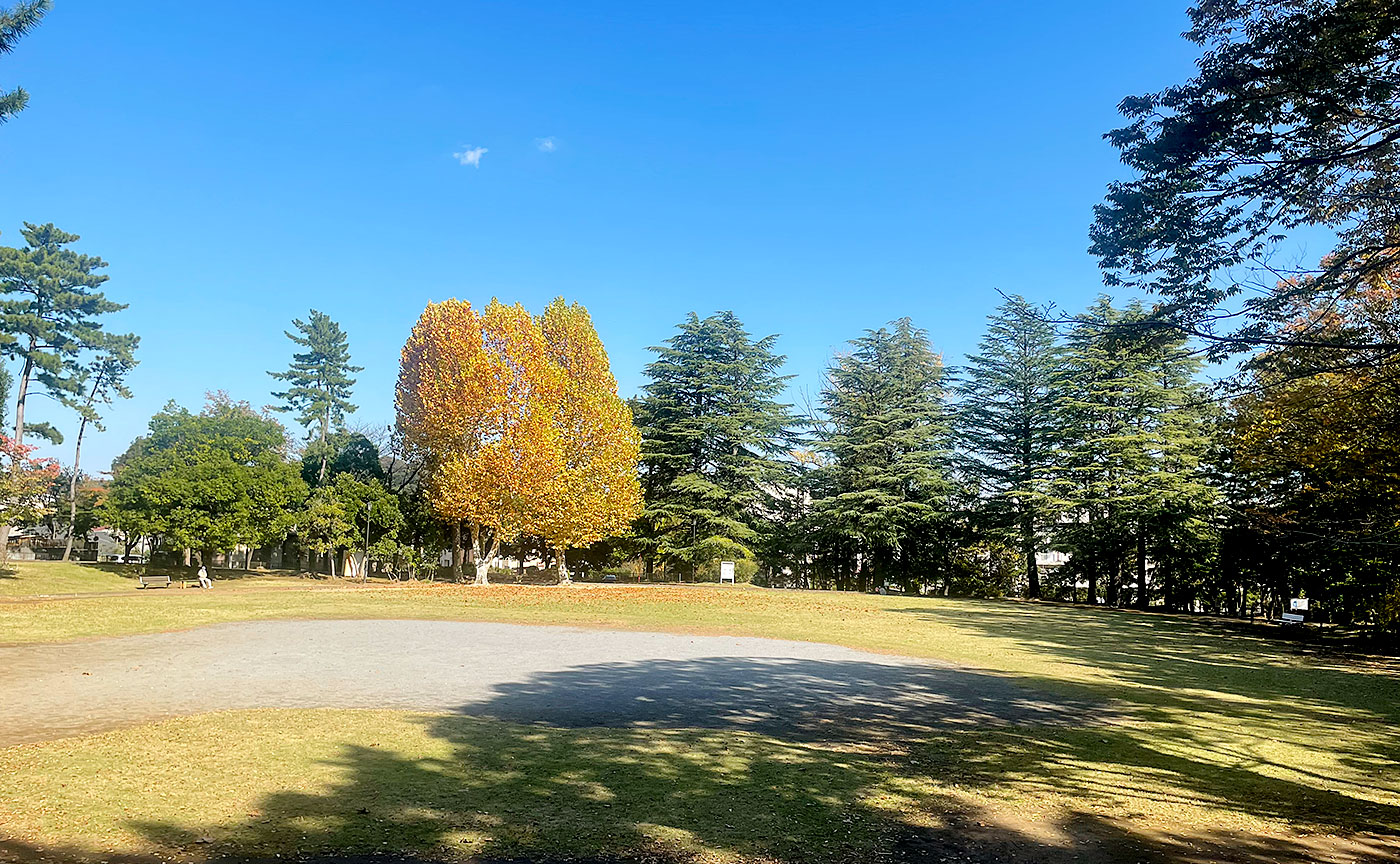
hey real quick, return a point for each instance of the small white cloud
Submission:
(471, 156)
(546, 145)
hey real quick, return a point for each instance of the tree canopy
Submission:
(207, 481)
(713, 432)
(1292, 120)
(319, 380)
(16, 22)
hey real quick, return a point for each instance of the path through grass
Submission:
(1229, 741)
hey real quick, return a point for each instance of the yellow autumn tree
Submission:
(475, 401)
(593, 491)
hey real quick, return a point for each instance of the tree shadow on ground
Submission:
(799, 700)
(1168, 655)
(675, 762)
(1235, 694)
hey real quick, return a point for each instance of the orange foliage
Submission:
(594, 492)
(518, 421)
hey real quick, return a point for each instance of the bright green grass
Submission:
(1218, 734)
(29, 578)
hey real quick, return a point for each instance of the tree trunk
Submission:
(564, 578)
(188, 555)
(1115, 571)
(22, 392)
(73, 489)
(1028, 544)
(483, 566)
(325, 422)
(1142, 599)
(456, 551)
(1091, 575)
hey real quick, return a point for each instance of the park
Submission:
(579, 433)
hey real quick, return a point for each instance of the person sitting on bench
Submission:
(204, 580)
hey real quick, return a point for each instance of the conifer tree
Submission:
(104, 380)
(15, 22)
(887, 435)
(50, 316)
(712, 434)
(1138, 436)
(1009, 426)
(319, 380)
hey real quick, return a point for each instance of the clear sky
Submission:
(820, 168)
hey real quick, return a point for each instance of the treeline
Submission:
(1086, 462)
(1081, 459)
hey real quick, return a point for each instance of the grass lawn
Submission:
(35, 578)
(1226, 746)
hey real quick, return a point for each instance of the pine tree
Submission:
(1138, 425)
(887, 436)
(319, 378)
(1009, 426)
(15, 23)
(104, 380)
(712, 432)
(49, 318)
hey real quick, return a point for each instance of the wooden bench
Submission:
(1290, 618)
(155, 579)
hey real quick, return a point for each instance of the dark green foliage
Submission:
(51, 314)
(712, 434)
(883, 487)
(15, 22)
(1292, 120)
(1010, 429)
(207, 481)
(348, 513)
(319, 380)
(346, 453)
(1131, 471)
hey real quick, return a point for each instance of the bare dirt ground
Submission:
(554, 675)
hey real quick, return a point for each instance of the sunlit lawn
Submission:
(1225, 740)
(35, 578)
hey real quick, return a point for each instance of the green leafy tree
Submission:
(886, 432)
(347, 513)
(104, 379)
(319, 381)
(207, 481)
(345, 453)
(712, 434)
(1010, 427)
(16, 22)
(1292, 120)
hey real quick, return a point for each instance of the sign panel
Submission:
(726, 571)
(1298, 604)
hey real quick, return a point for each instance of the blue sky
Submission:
(820, 168)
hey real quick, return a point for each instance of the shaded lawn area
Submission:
(1223, 746)
(304, 784)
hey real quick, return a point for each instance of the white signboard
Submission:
(726, 571)
(1298, 604)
